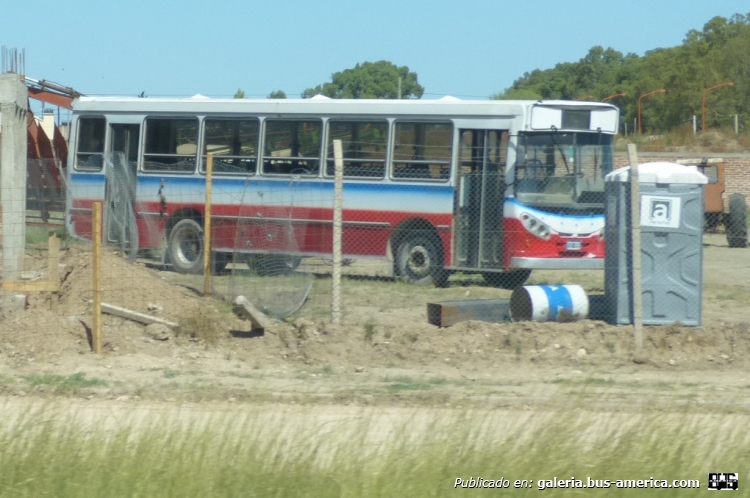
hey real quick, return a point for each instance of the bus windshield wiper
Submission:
(559, 147)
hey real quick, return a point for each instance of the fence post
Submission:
(635, 223)
(96, 268)
(337, 229)
(207, 227)
(53, 265)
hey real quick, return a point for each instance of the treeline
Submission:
(719, 53)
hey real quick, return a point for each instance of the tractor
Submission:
(734, 216)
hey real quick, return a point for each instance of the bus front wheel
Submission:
(186, 247)
(419, 261)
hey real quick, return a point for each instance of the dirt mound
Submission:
(477, 346)
(132, 286)
(376, 337)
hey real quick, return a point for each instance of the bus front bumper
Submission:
(557, 263)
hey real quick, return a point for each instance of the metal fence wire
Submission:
(272, 226)
(554, 241)
(120, 226)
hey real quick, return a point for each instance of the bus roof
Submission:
(319, 105)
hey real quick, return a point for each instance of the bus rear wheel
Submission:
(185, 248)
(419, 261)
(508, 280)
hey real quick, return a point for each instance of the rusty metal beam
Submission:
(447, 313)
(51, 97)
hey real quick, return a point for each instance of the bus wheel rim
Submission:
(189, 246)
(419, 261)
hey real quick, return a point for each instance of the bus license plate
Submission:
(573, 245)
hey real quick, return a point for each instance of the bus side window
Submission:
(292, 147)
(363, 146)
(90, 144)
(171, 145)
(234, 143)
(422, 151)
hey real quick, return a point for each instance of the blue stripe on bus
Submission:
(538, 212)
(383, 196)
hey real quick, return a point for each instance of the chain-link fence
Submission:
(554, 242)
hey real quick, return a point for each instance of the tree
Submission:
(718, 53)
(277, 94)
(517, 94)
(370, 80)
(239, 94)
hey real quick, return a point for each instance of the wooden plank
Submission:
(31, 286)
(246, 311)
(447, 313)
(135, 316)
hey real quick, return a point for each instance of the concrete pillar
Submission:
(13, 106)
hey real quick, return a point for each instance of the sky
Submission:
(469, 49)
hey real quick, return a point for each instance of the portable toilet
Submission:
(671, 224)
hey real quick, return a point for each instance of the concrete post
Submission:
(13, 106)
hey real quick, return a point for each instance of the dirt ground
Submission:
(383, 353)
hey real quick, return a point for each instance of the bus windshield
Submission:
(562, 170)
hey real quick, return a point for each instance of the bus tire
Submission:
(508, 280)
(419, 260)
(185, 249)
(736, 224)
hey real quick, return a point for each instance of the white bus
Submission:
(493, 187)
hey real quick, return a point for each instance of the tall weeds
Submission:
(274, 451)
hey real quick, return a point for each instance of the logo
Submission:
(660, 211)
(723, 481)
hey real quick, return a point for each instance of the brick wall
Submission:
(736, 167)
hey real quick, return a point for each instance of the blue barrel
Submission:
(549, 303)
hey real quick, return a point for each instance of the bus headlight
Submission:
(535, 226)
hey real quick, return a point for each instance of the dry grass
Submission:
(684, 140)
(202, 324)
(421, 453)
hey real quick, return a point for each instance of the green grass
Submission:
(422, 454)
(589, 381)
(40, 235)
(400, 383)
(369, 328)
(65, 384)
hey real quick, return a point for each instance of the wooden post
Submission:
(338, 160)
(207, 227)
(635, 219)
(96, 236)
(53, 265)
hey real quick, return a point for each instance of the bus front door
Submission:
(478, 210)
(121, 164)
